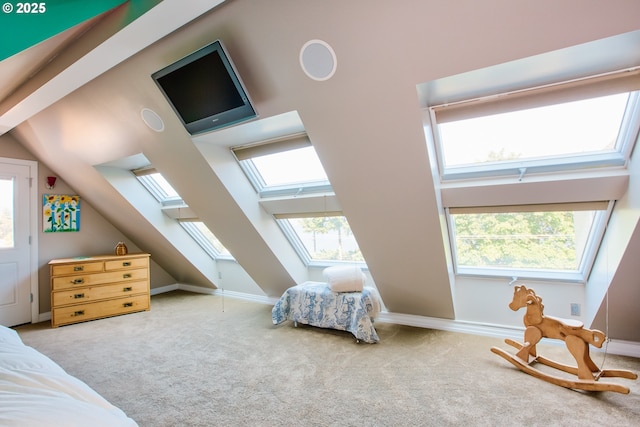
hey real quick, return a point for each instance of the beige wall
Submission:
(96, 236)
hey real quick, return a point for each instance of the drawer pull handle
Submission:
(78, 268)
(76, 296)
(127, 289)
(126, 276)
(127, 304)
(79, 313)
(77, 281)
(126, 264)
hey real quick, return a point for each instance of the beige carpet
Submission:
(199, 360)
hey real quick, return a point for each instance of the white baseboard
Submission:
(618, 347)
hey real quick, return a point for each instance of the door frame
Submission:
(33, 231)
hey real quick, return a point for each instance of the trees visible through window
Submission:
(584, 128)
(324, 238)
(523, 240)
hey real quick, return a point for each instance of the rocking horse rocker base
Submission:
(578, 384)
(577, 339)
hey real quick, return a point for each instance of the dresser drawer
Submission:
(83, 280)
(80, 268)
(90, 311)
(126, 263)
(89, 294)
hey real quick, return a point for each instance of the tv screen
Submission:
(205, 90)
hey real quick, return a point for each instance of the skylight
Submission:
(206, 239)
(299, 166)
(160, 188)
(586, 127)
(293, 186)
(283, 168)
(567, 129)
(157, 185)
(322, 240)
(568, 126)
(533, 243)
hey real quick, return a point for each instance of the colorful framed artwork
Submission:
(60, 213)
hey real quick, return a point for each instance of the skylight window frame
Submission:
(300, 248)
(618, 157)
(300, 199)
(145, 178)
(594, 165)
(190, 227)
(295, 241)
(295, 189)
(244, 155)
(580, 275)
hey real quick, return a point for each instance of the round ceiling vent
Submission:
(318, 60)
(152, 119)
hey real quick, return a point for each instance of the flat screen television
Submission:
(205, 90)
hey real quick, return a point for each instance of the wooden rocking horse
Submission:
(577, 339)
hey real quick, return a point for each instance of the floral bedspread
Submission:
(313, 303)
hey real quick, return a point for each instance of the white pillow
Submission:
(344, 278)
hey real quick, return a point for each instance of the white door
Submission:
(15, 245)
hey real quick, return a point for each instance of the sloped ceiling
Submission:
(365, 122)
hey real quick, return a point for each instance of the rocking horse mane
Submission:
(524, 297)
(535, 299)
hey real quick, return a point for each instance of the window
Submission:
(545, 242)
(322, 240)
(6, 213)
(206, 239)
(283, 170)
(573, 128)
(284, 167)
(539, 130)
(160, 188)
(586, 127)
(157, 185)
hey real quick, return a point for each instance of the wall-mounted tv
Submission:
(205, 90)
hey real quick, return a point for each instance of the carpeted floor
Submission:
(199, 360)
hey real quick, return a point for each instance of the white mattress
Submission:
(35, 391)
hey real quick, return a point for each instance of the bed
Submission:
(316, 304)
(35, 391)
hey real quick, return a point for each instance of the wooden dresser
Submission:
(88, 288)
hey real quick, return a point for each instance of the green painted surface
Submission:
(25, 24)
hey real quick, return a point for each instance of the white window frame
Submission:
(244, 154)
(206, 244)
(174, 207)
(625, 81)
(580, 275)
(301, 249)
(296, 200)
(602, 165)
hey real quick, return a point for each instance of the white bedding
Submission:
(35, 391)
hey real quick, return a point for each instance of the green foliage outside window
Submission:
(329, 238)
(528, 240)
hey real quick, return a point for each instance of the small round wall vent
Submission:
(318, 60)
(152, 119)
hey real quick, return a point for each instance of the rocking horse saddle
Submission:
(569, 323)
